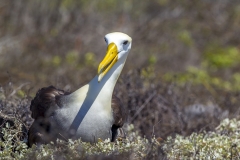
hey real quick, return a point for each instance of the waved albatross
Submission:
(91, 112)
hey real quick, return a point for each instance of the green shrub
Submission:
(198, 76)
(218, 58)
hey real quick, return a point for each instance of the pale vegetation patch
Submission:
(223, 143)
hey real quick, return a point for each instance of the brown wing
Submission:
(119, 113)
(42, 106)
(120, 116)
(39, 133)
(46, 99)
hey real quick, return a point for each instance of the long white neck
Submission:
(107, 84)
(101, 91)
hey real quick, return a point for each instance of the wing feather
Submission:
(120, 116)
(45, 101)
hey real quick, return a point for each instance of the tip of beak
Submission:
(100, 77)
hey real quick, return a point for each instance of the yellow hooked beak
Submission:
(108, 61)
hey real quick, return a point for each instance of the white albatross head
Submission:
(118, 46)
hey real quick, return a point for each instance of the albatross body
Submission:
(91, 112)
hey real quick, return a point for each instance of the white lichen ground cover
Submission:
(223, 143)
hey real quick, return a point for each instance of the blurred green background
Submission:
(182, 74)
(60, 42)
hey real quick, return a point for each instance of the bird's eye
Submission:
(125, 42)
(105, 39)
